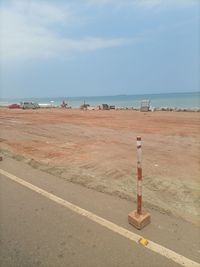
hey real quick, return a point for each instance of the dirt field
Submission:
(98, 150)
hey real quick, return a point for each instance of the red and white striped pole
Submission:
(139, 175)
(139, 218)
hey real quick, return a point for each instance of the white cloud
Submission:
(145, 3)
(35, 29)
(42, 12)
(30, 30)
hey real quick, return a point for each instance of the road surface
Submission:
(36, 231)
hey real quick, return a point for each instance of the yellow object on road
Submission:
(143, 241)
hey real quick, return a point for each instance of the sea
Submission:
(171, 100)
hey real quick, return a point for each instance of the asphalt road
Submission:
(35, 231)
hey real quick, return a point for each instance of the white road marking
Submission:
(111, 226)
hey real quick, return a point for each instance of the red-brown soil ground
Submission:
(98, 149)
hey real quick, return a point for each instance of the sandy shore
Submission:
(98, 150)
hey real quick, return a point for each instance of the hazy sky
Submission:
(98, 47)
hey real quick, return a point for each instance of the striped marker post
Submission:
(139, 175)
(139, 218)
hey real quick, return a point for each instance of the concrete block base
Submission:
(139, 220)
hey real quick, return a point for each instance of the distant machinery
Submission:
(145, 105)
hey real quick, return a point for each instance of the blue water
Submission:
(179, 100)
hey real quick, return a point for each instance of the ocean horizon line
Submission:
(91, 96)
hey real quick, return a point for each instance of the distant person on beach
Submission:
(64, 105)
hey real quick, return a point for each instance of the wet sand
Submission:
(97, 149)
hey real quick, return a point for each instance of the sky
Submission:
(98, 47)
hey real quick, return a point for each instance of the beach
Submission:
(97, 149)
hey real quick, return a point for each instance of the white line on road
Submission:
(111, 226)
